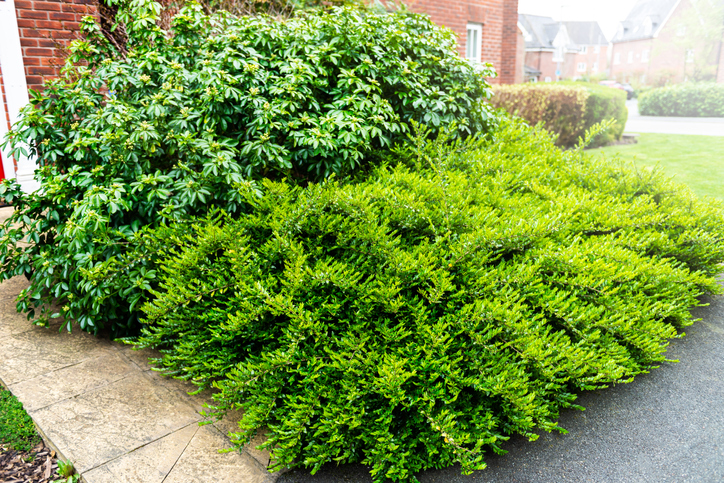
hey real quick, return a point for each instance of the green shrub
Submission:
(17, 430)
(566, 109)
(422, 316)
(687, 100)
(186, 118)
(605, 103)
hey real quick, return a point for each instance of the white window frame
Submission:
(630, 56)
(594, 67)
(584, 50)
(690, 56)
(617, 58)
(596, 49)
(645, 55)
(473, 50)
(581, 67)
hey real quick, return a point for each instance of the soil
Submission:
(36, 466)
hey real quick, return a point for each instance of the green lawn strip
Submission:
(16, 428)
(697, 161)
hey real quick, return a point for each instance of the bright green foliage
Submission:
(566, 109)
(17, 430)
(688, 100)
(420, 317)
(187, 117)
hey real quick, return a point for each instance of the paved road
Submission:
(666, 426)
(707, 126)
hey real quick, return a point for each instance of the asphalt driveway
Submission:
(706, 126)
(666, 426)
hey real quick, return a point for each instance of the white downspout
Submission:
(16, 92)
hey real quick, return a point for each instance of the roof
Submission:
(645, 20)
(586, 33)
(542, 31)
(535, 26)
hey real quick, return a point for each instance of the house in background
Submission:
(562, 50)
(661, 41)
(487, 31)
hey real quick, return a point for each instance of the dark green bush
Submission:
(686, 100)
(422, 316)
(566, 109)
(184, 119)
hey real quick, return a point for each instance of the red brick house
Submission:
(33, 34)
(487, 31)
(660, 42)
(562, 50)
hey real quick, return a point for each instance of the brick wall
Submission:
(499, 19)
(628, 62)
(46, 27)
(543, 61)
(592, 59)
(509, 66)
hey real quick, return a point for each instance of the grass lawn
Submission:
(697, 161)
(16, 428)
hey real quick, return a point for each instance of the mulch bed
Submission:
(36, 466)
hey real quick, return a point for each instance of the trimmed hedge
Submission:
(186, 117)
(420, 317)
(685, 100)
(566, 109)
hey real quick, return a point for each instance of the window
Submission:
(597, 49)
(689, 56)
(584, 49)
(630, 57)
(645, 56)
(617, 58)
(594, 67)
(681, 30)
(558, 55)
(642, 79)
(581, 67)
(473, 44)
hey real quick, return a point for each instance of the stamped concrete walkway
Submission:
(98, 404)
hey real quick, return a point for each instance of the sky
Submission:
(608, 13)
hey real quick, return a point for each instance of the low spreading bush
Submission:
(177, 122)
(420, 317)
(566, 109)
(687, 100)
